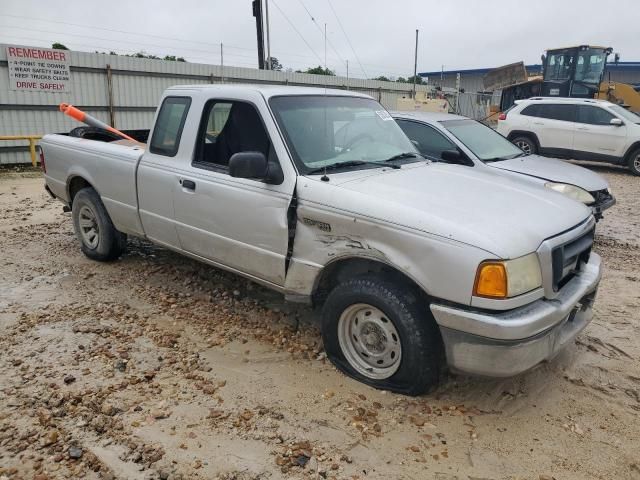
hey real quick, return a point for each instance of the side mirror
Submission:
(248, 165)
(254, 165)
(451, 156)
(616, 122)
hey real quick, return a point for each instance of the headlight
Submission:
(508, 278)
(571, 191)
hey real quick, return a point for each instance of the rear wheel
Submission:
(382, 334)
(526, 144)
(634, 162)
(99, 239)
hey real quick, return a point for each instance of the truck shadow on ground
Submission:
(167, 267)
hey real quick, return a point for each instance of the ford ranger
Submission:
(319, 194)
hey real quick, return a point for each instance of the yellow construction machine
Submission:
(579, 72)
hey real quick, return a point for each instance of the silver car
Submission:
(450, 138)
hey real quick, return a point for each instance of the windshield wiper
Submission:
(402, 155)
(498, 159)
(350, 163)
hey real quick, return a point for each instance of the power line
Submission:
(217, 45)
(185, 49)
(123, 51)
(347, 37)
(112, 30)
(321, 31)
(297, 31)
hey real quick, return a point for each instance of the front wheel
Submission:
(383, 335)
(525, 144)
(634, 162)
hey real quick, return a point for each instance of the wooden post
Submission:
(112, 113)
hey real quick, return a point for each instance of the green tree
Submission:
(419, 80)
(173, 58)
(319, 71)
(275, 64)
(382, 78)
(59, 46)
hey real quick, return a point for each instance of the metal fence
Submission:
(474, 105)
(124, 91)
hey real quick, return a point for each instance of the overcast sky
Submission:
(379, 40)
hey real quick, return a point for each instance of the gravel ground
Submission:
(155, 366)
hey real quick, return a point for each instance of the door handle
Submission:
(538, 123)
(188, 184)
(582, 128)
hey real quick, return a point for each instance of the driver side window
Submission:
(427, 140)
(227, 128)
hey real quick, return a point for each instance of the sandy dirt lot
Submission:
(157, 367)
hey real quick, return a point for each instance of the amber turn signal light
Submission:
(491, 280)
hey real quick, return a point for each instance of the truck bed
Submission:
(110, 167)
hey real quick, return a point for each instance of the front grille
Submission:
(600, 197)
(567, 258)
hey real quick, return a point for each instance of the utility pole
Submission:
(415, 66)
(266, 12)
(222, 62)
(257, 12)
(325, 46)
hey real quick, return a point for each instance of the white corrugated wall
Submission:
(138, 84)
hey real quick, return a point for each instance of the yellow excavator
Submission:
(579, 72)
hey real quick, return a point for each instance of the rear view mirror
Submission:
(616, 121)
(451, 156)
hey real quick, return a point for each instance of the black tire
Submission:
(422, 356)
(108, 242)
(634, 162)
(526, 144)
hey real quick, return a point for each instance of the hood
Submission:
(507, 217)
(553, 170)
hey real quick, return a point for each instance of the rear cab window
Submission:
(168, 128)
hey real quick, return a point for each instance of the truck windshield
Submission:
(485, 143)
(327, 131)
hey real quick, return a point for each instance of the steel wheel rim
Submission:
(369, 341)
(88, 227)
(636, 163)
(524, 146)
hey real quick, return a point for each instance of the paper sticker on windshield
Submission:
(384, 115)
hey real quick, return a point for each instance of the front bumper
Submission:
(502, 344)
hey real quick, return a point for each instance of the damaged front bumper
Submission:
(503, 344)
(604, 200)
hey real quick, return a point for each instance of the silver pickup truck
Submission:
(319, 194)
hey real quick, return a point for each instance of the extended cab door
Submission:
(594, 134)
(553, 123)
(240, 224)
(157, 172)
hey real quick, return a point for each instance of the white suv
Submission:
(577, 128)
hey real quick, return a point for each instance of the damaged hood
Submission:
(553, 170)
(507, 217)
